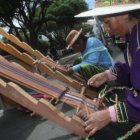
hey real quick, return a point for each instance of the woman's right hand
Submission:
(68, 66)
(98, 79)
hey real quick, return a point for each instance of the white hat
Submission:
(109, 7)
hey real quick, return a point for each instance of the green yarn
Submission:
(89, 138)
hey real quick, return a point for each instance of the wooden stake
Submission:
(82, 93)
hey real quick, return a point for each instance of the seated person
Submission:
(94, 59)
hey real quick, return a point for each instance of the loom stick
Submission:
(55, 74)
(40, 84)
(43, 108)
(82, 93)
(74, 83)
(26, 47)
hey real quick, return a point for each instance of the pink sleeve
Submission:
(112, 113)
(111, 77)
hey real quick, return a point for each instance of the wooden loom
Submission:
(43, 107)
(40, 84)
(35, 53)
(41, 66)
(54, 65)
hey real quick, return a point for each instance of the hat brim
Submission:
(109, 10)
(74, 39)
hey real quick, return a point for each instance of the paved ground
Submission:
(17, 125)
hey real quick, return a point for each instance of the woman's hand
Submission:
(70, 70)
(68, 66)
(98, 79)
(82, 114)
(96, 121)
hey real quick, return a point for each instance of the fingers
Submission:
(90, 128)
(68, 66)
(91, 81)
(98, 79)
(97, 121)
(82, 114)
(94, 83)
(85, 125)
(92, 132)
(70, 70)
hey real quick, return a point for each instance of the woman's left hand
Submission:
(96, 121)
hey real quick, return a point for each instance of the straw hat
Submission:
(108, 7)
(72, 37)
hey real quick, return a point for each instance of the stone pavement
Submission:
(17, 125)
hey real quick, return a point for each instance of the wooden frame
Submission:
(44, 68)
(38, 83)
(35, 53)
(43, 108)
(56, 66)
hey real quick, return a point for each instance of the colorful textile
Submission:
(90, 138)
(37, 96)
(121, 112)
(95, 54)
(101, 3)
(108, 99)
(87, 70)
(114, 95)
(130, 133)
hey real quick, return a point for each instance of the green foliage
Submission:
(60, 19)
(86, 28)
(42, 17)
(43, 46)
(52, 25)
(8, 7)
(30, 14)
(63, 12)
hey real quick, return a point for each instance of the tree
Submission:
(60, 19)
(30, 15)
(7, 10)
(52, 18)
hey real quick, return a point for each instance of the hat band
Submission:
(102, 3)
(75, 38)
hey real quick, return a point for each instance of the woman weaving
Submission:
(120, 119)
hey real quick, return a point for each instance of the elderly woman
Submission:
(94, 58)
(122, 116)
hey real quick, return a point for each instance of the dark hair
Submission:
(135, 13)
(81, 36)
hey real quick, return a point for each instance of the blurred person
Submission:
(94, 55)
